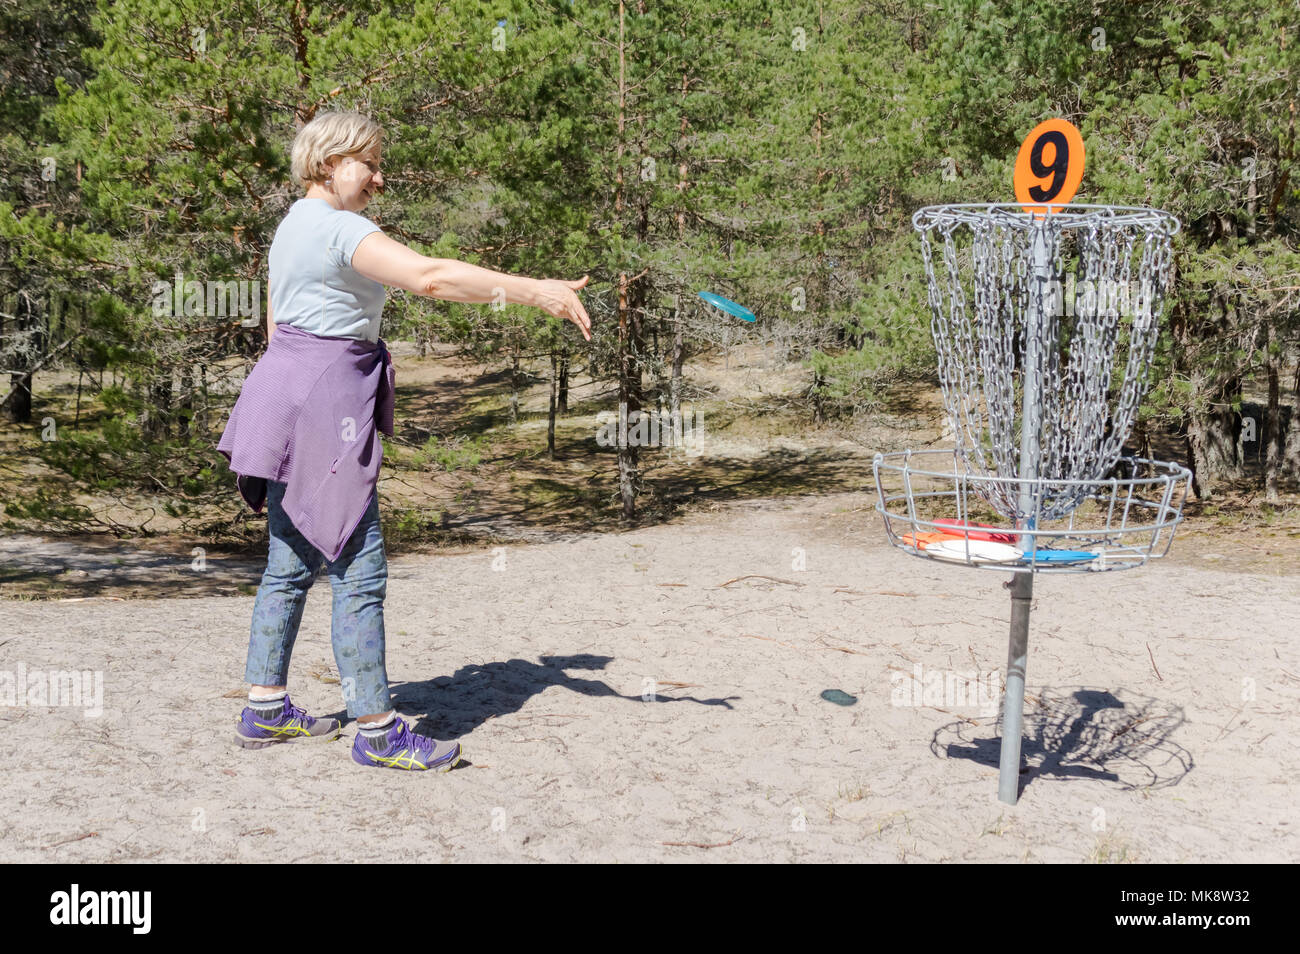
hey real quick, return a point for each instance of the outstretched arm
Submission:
(383, 260)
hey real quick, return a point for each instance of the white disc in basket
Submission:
(981, 551)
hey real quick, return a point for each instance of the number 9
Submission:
(1055, 181)
(1059, 167)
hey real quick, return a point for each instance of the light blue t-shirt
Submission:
(312, 283)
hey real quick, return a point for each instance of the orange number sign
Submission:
(1049, 166)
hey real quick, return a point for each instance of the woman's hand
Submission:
(560, 299)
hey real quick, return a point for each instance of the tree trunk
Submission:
(18, 406)
(1142, 439)
(629, 314)
(200, 422)
(555, 396)
(675, 382)
(681, 152)
(1212, 439)
(1272, 435)
(1291, 459)
(158, 398)
(514, 384)
(679, 341)
(562, 397)
(185, 405)
(76, 418)
(818, 398)
(629, 394)
(1212, 433)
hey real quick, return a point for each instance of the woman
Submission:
(303, 437)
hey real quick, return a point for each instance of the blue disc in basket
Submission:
(1061, 556)
(727, 305)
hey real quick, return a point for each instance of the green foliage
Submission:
(772, 152)
(118, 456)
(48, 509)
(403, 526)
(1185, 108)
(452, 454)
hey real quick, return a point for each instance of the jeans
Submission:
(359, 580)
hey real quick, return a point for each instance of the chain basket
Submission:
(1044, 327)
(1044, 320)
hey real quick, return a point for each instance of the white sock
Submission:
(269, 704)
(375, 730)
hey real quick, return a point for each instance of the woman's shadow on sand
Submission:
(448, 707)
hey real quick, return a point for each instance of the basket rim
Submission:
(1066, 215)
(1166, 471)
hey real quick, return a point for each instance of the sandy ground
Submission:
(624, 697)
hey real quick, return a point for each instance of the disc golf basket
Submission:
(1045, 323)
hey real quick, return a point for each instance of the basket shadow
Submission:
(1083, 733)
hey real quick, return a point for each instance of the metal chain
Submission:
(1093, 327)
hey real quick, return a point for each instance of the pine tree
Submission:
(1186, 108)
(183, 133)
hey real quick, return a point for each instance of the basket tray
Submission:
(1124, 522)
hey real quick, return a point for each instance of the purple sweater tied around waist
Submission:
(309, 416)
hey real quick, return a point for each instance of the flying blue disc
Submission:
(1061, 556)
(727, 305)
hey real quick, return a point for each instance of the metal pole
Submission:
(1022, 584)
(1013, 706)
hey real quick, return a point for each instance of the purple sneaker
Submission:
(290, 725)
(403, 749)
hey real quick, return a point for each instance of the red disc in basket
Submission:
(959, 528)
(920, 541)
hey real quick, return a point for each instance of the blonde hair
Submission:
(329, 135)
